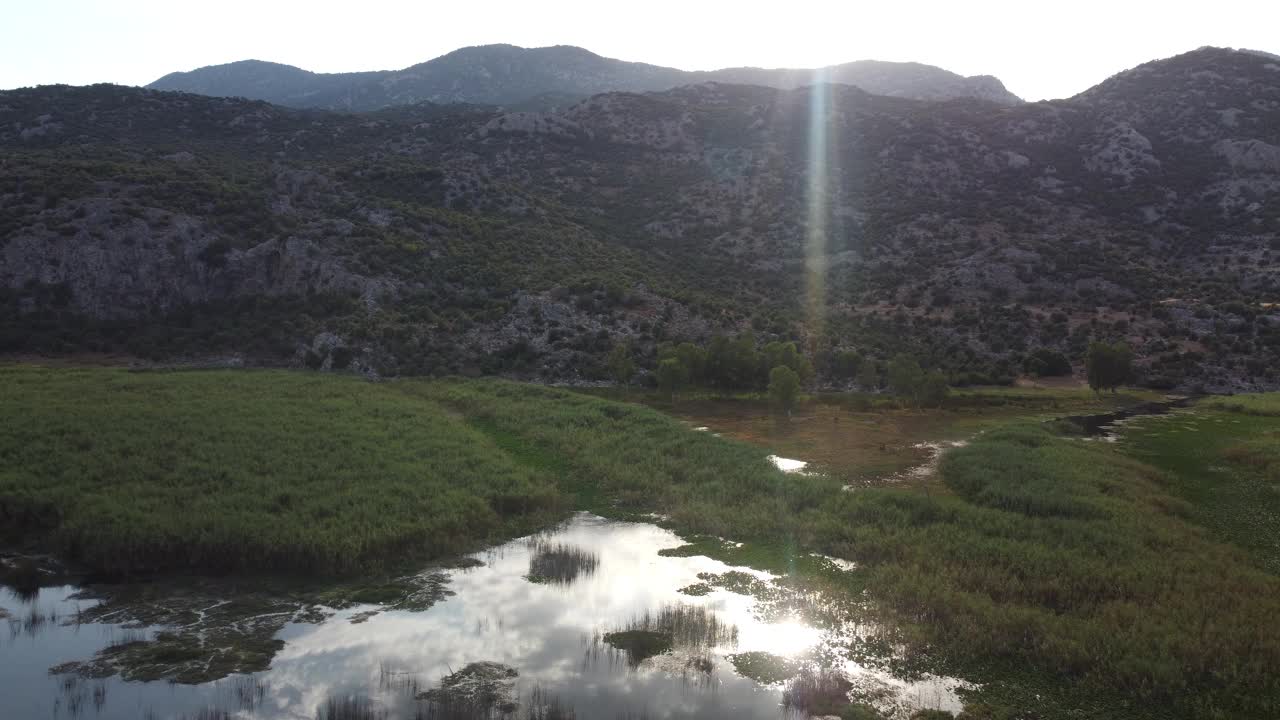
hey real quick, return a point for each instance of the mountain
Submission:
(507, 75)
(915, 81)
(467, 239)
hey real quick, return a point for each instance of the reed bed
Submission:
(135, 472)
(560, 563)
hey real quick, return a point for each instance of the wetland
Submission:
(289, 545)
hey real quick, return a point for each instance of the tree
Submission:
(694, 360)
(845, 364)
(743, 362)
(717, 363)
(905, 376)
(733, 364)
(671, 376)
(868, 375)
(1047, 363)
(783, 354)
(1108, 366)
(784, 388)
(621, 366)
(933, 390)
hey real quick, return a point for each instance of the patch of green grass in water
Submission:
(640, 645)
(765, 668)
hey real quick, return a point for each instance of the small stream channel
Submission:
(591, 577)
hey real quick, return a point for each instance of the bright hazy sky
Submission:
(1039, 49)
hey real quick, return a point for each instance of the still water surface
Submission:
(549, 632)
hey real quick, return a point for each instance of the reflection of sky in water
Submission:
(787, 464)
(543, 630)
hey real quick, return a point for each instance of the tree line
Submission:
(737, 364)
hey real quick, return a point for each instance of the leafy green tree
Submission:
(1108, 365)
(845, 365)
(784, 388)
(905, 377)
(732, 364)
(743, 361)
(868, 375)
(933, 390)
(672, 376)
(621, 366)
(694, 360)
(717, 368)
(1047, 363)
(777, 354)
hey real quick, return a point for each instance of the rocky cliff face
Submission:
(433, 239)
(545, 77)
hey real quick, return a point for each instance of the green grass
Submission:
(263, 470)
(225, 470)
(763, 667)
(1068, 565)
(1259, 404)
(1066, 579)
(625, 460)
(1224, 459)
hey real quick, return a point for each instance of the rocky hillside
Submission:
(541, 78)
(469, 239)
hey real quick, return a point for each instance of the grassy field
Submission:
(224, 470)
(1066, 579)
(1070, 580)
(622, 459)
(1223, 457)
(265, 470)
(1260, 404)
(1067, 560)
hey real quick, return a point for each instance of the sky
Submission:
(1041, 50)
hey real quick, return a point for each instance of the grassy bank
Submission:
(1077, 566)
(1260, 404)
(1067, 579)
(1223, 457)
(620, 459)
(227, 470)
(237, 470)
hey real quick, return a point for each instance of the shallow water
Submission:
(1104, 426)
(787, 464)
(856, 447)
(550, 632)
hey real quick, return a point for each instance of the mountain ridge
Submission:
(466, 239)
(507, 74)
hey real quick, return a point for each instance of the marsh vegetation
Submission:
(1223, 457)
(1075, 578)
(559, 563)
(689, 628)
(233, 471)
